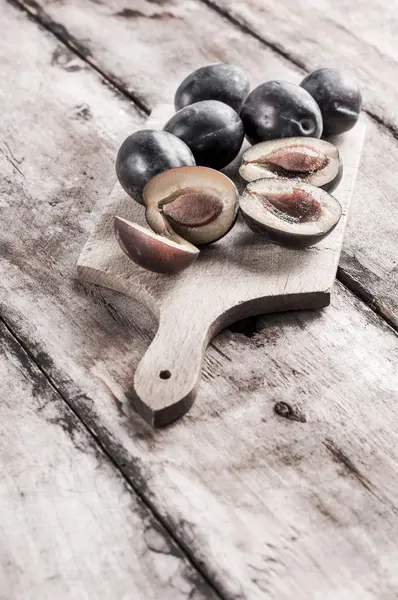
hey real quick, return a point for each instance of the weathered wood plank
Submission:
(70, 526)
(259, 500)
(188, 34)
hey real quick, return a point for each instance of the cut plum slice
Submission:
(151, 251)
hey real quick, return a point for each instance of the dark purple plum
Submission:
(212, 130)
(222, 82)
(338, 96)
(278, 109)
(146, 153)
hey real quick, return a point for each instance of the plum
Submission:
(212, 130)
(312, 160)
(289, 212)
(151, 251)
(221, 81)
(146, 153)
(279, 109)
(196, 203)
(338, 96)
(185, 207)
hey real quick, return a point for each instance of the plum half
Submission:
(147, 153)
(212, 130)
(312, 160)
(151, 251)
(197, 204)
(278, 109)
(338, 96)
(289, 212)
(223, 82)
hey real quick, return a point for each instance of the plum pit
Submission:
(299, 159)
(193, 209)
(296, 206)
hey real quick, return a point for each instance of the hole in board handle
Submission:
(165, 374)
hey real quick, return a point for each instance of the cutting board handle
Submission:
(167, 377)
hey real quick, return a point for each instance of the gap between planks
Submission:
(37, 14)
(185, 552)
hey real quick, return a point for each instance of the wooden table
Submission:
(239, 500)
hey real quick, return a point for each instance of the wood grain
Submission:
(189, 34)
(269, 506)
(70, 525)
(238, 277)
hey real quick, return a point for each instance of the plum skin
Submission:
(285, 238)
(146, 153)
(278, 109)
(338, 96)
(334, 183)
(212, 130)
(223, 82)
(148, 251)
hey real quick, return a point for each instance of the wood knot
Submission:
(287, 411)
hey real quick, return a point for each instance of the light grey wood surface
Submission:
(70, 525)
(188, 34)
(265, 505)
(238, 277)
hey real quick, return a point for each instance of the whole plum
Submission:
(223, 82)
(146, 153)
(279, 109)
(338, 96)
(212, 130)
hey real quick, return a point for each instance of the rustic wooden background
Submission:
(282, 481)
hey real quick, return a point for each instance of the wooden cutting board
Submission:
(237, 277)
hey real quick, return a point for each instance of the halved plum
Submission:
(289, 212)
(312, 160)
(196, 203)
